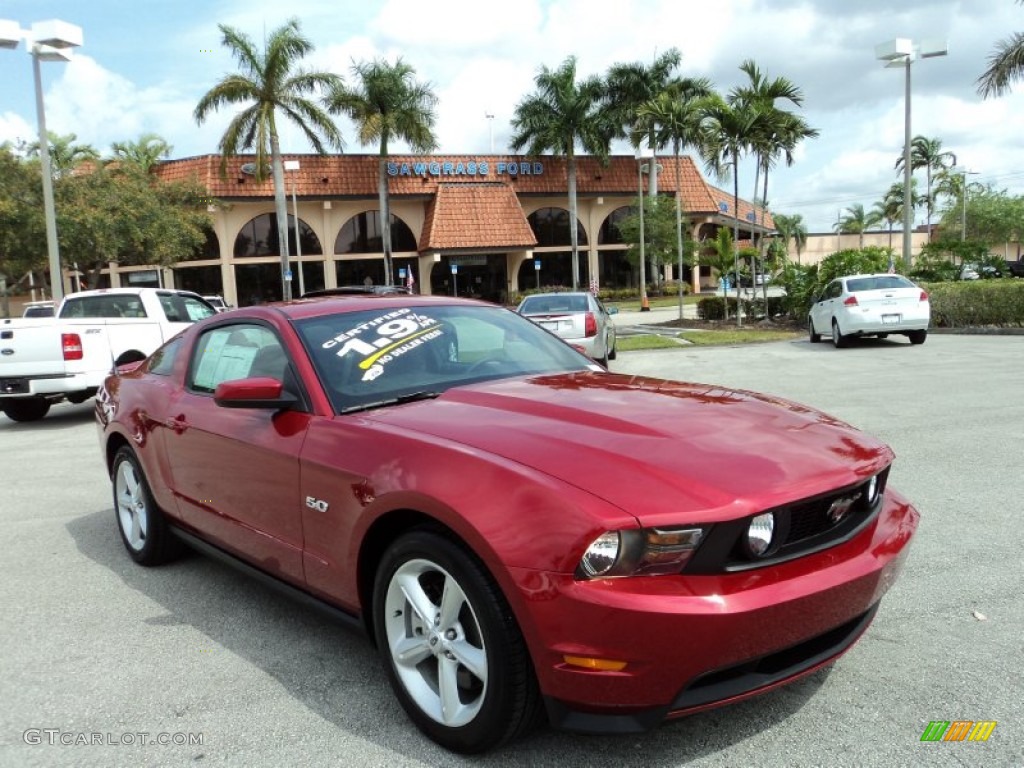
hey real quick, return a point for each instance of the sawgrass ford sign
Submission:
(468, 168)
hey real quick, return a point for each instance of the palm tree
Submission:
(776, 134)
(388, 104)
(791, 228)
(270, 81)
(65, 154)
(728, 134)
(144, 153)
(857, 221)
(928, 154)
(678, 114)
(630, 86)
(889, 208)
(720, 255)
(1005, 66)
(561, 114)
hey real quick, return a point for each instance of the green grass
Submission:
(703, 339)
(719, 338)
(633, 305)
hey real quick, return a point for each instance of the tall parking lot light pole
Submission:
(963, 173)
(293, 165)
(47, 41)
(900, 53)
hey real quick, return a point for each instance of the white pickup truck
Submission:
(46, 360)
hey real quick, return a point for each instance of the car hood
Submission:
(661, 450)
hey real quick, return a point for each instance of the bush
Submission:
(973, 303)
(713, 308)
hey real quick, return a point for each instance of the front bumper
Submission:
(693, 642)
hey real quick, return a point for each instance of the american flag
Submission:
(892, 265)
(410, 281)
(593, 286)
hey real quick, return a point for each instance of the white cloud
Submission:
(14, 128)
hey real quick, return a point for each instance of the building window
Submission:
(551, 227)
(206, 281)
(258, 237)
(362, 234)
(609, 233)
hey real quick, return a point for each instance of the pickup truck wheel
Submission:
(143, 528)
(27, 409)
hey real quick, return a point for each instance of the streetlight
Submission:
(293, 165)
(490, 128)
(641, 166)
(900, 53)
(963, 173)
(46, 41)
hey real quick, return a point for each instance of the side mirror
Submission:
(257, 392)
(613, 310)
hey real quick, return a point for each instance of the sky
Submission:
(145, 64)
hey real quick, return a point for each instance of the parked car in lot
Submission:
(1015, 268)
(38, 309)
(579, 318)
(47, 360)
(518, 530)
(217, 302)
(971, 271)
(870, 305)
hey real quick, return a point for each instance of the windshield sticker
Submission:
(383, 339)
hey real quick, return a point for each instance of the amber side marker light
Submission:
(600, 665)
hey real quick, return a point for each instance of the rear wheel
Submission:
(838, 340)
(917, 337)
(612, 353)
(143, 528)
(811, 334)
(452, 650)
(26, 409)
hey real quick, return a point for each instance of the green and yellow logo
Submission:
(958, 730)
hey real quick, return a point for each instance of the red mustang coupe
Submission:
(518, 530)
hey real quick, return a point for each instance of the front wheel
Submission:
(917, 337)
(811, 333)
(142, 525)
(453, 652)
(25, 409)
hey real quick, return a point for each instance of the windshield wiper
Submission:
(410, 397)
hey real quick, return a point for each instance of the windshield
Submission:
(372, 358)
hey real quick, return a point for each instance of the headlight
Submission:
(601, 555)
(760, 533)
(647, 551)
(871, 493)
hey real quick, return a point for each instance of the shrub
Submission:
(713, 308)
(963, 304)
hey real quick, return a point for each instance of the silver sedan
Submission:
(578, 318)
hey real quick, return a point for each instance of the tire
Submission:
(494, 702)
(613, 353)
(838, 340)
(814, 337)
(917, 337)
(26, 409)
(882, 336)
(143, 528)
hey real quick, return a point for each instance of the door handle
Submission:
(177, 423)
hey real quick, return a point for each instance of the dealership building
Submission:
(486, 226)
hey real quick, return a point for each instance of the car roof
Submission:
(130, 291)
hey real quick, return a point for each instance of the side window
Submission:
(835, 290)
(236, 352)
(195, 309)
(162, 361)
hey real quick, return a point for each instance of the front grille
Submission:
(802, 527)
(753, 674)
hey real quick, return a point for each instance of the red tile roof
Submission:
(355, 176)
(475, 215)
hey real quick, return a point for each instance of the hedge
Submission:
(976, 303)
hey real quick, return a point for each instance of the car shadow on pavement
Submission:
(60, 416)
(333, 670)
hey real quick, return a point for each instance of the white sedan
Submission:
(870, 305)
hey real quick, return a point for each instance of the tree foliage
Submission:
(659, 234)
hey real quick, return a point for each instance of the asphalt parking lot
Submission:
(92, 644)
